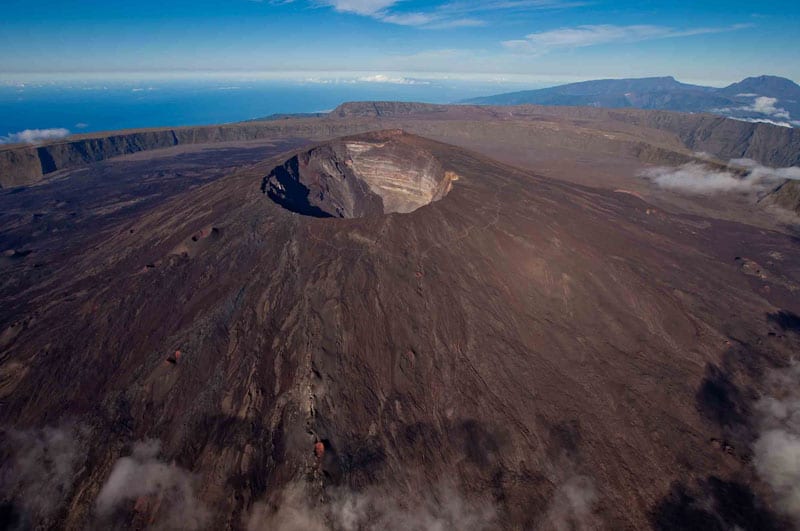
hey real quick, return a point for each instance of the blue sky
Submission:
(711, 42)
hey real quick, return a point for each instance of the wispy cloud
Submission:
(40, 468)
(381, 10)
(388, 79)
(393, 80)
(777, 449)
(33, 136)
(572, 506)
(361, 7)
(443, 508)
(765, 105)
(456, 14)
(508, 5)
(431, 20)
(593, 35)
(767, 121)
(166, 491)
(745, 176)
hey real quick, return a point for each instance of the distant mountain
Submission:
(771, 86)
(764, 98)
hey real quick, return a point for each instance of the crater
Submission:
(368, 175)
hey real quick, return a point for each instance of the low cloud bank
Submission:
(777, 449)
(40, 467)
(348, 511)
(394, 80)
(33, 136)
(167, 491)
(699, 178)
(768, 106)
(382, 79)
(767, 121)
(763, 105)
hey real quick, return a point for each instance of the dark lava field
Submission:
(398, 317)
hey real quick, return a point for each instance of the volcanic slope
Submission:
(513, 352)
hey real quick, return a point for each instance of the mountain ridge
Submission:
(768, 144)
(760, 98)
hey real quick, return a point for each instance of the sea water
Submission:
(82, 107)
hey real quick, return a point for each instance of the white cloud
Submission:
(447, 15)
(33, 136)
(764, 172)
(444, 508)
(41, 466)
(361, 7)
(508, 5)
(766, 121)
(408, 19)
(141, 476)
(777, 449)
(395, 80)
(388, 79)
(430, 20)
(761, 105)
(572, 506)
(592, 35)
(744, 175)
(765, 105)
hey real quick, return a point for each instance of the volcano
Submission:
(384, 331)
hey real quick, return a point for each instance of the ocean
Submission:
(103, 106)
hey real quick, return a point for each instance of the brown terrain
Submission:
(395, 316)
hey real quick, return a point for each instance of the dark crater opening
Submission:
(368, 175)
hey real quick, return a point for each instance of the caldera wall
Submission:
(382, 173)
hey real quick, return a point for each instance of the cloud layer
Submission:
(394, 80)
(33, 136)
(699, 178)
(763, 105)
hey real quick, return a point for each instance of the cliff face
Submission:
(29, 164)
(767, 144)
(787, 196)
(722, 137)
(651, 136)
(19, 167)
